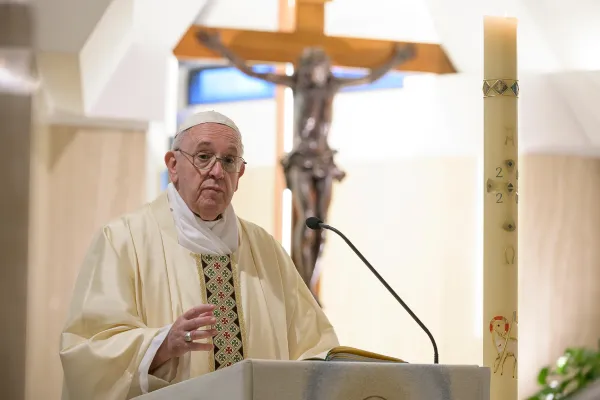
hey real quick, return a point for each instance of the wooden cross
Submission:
(286, 46)
(302, 25)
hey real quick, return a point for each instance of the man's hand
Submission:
(212, 40)
(175, 346)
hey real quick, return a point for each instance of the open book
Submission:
(343, 353)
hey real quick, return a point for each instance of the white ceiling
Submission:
(241, 14)
(411, 19)
(119, 49)
(122, 55)
(65, 25)
(554, 34)
(572, 28)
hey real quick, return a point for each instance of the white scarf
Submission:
(218, 237)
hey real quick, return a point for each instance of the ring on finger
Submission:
(187, 337)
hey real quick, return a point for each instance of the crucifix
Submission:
(309, 168)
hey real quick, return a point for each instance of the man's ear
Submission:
(171, 163)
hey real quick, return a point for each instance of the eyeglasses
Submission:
(206, 161)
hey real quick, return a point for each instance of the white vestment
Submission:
(147, 268)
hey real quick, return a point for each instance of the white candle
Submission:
(500, 215)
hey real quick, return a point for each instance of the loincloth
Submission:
(318, 165)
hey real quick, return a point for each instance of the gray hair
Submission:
(176, 144)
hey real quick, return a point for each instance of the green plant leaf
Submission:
(543, 375)
(571, 372)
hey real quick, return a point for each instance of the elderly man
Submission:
(182, 286)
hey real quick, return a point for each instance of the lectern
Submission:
(325, 380)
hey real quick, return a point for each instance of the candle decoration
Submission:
(500, 211)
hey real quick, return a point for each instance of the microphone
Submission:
(315, 223)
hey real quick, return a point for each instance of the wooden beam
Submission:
(286, 47)
(286, 23)
(310, 16)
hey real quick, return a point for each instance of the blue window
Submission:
(221, 84)
(391, 80)
(227, 84)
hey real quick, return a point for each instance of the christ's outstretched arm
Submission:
(213, 42)
(401, 55)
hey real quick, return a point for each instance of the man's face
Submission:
(207, 192)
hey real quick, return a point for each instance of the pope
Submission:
(182, 286)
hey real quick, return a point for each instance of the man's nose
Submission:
(217, 169)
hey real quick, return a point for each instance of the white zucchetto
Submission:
(205, 117)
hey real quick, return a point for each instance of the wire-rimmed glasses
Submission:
(204, 161)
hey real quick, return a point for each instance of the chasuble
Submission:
(137, 279)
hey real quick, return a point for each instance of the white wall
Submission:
(410, 155)
(412, 203)
(415, 219)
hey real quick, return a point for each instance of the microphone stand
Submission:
(384, 283)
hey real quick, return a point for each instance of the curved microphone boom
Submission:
(315, 223)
